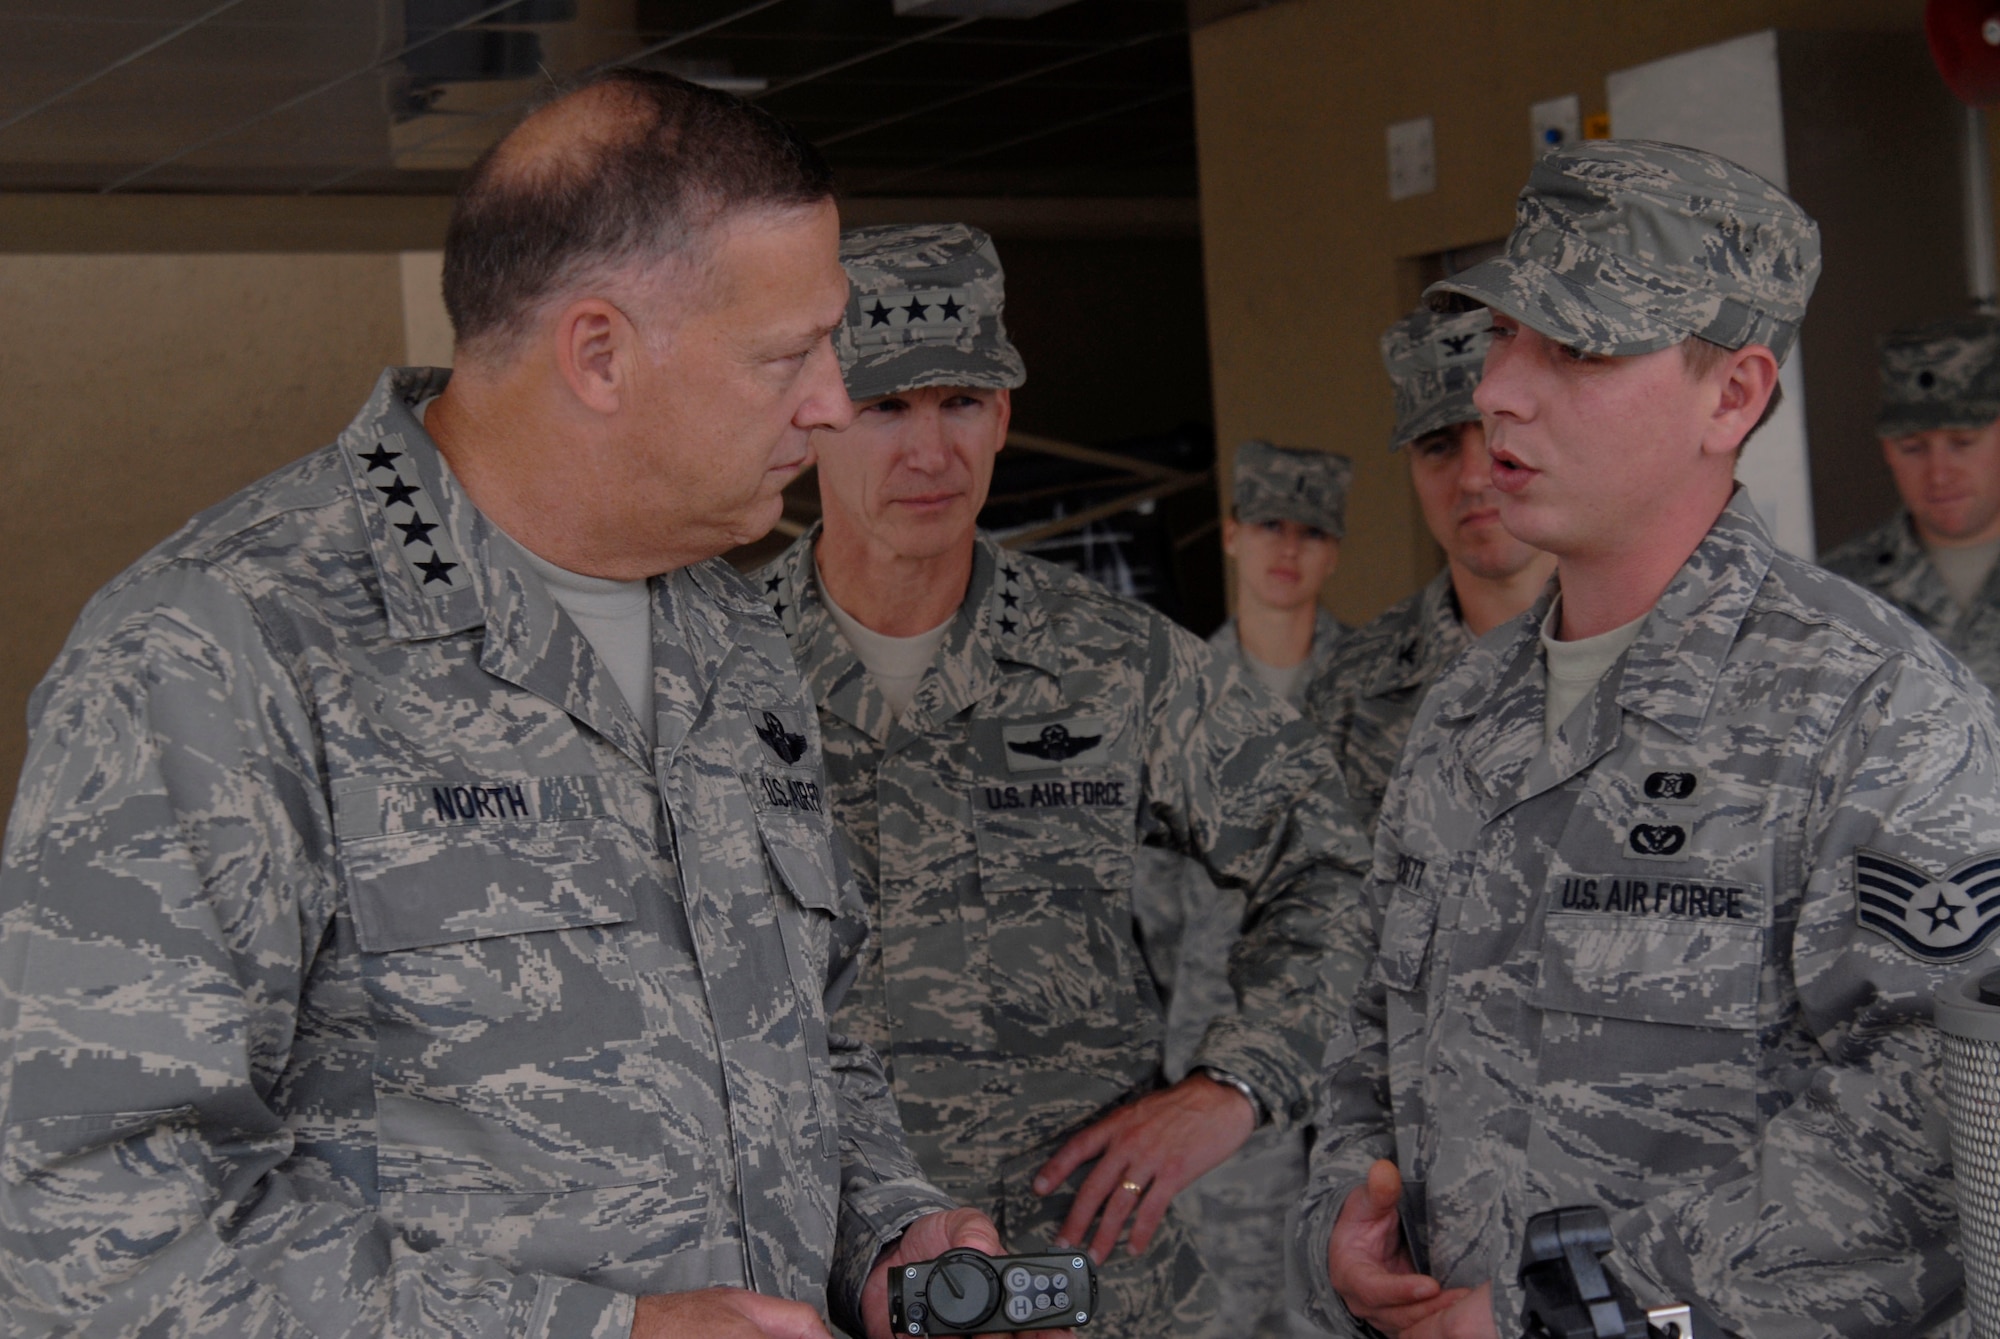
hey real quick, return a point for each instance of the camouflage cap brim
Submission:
(1623, 247)
(1940, 377)
(1556, 306)
(984, 367)
(1434, 361)
(1906, 420)
(925, 307)
(1446, 413)
(1289, 483)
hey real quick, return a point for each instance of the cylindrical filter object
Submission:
(1968, 1014)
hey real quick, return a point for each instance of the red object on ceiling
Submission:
(1965, 42)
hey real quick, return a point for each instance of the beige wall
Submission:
(136, 390)
(1302, 245)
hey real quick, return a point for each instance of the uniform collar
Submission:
(445, 569)
(1328, 633)
(1003, 618)
(1902, 571)
(1669, 674)
(420, 524)
(1431, 636)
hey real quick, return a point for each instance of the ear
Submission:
(596, 348)
(1003, 401)
(1744, 383)
(1230, 529)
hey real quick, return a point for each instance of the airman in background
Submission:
(1287, 517)
(1003, 738)
(1368, 693)
(1935, 559)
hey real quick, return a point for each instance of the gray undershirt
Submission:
(1964, 569)
(1576, 667)
(615, 617)
(897, 664)
(1284, 681)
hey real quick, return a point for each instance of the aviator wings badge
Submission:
(1055, 744)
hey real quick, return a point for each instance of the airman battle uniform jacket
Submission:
(362, 969)
(993, 829)
(1367, 695)
(1328, 633)
(1679, 963)
(1889, 561)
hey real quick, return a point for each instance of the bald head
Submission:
(627, 171)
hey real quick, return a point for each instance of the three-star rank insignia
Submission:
(913, 316)
(1940, 919)
(415, 528)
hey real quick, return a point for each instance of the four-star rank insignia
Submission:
(415, 527)
(1944, 918)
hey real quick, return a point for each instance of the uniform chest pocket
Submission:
(1055, 887)
(511, 1052)
(1649, 1043)
(1703, 975)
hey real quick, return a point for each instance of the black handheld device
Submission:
(970, 1292)
(1572, 1295)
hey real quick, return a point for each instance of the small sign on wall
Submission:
(1412, 158)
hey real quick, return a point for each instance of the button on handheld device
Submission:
(969, 1292)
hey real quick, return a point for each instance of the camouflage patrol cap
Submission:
(1623, 247)
(923, 309)
(1434, 359)
(1945, 375)
(1289, 483)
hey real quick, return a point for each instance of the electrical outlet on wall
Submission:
(1555, 124)
(1412, 158)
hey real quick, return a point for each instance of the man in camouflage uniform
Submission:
(1940, 431)
(1002, 737)
(1288, 514)
(375, 956)
(1368, 694)
(1670, 951)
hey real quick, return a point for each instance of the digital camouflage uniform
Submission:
(1678, 962)
(1368, 695)
(363, 970)
(994, 829)
(1189, 925)
(1936, 377)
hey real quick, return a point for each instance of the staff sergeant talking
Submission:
(1001, 738)
(398, 934)
(1673, 864)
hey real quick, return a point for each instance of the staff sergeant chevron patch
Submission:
(1944, 919)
